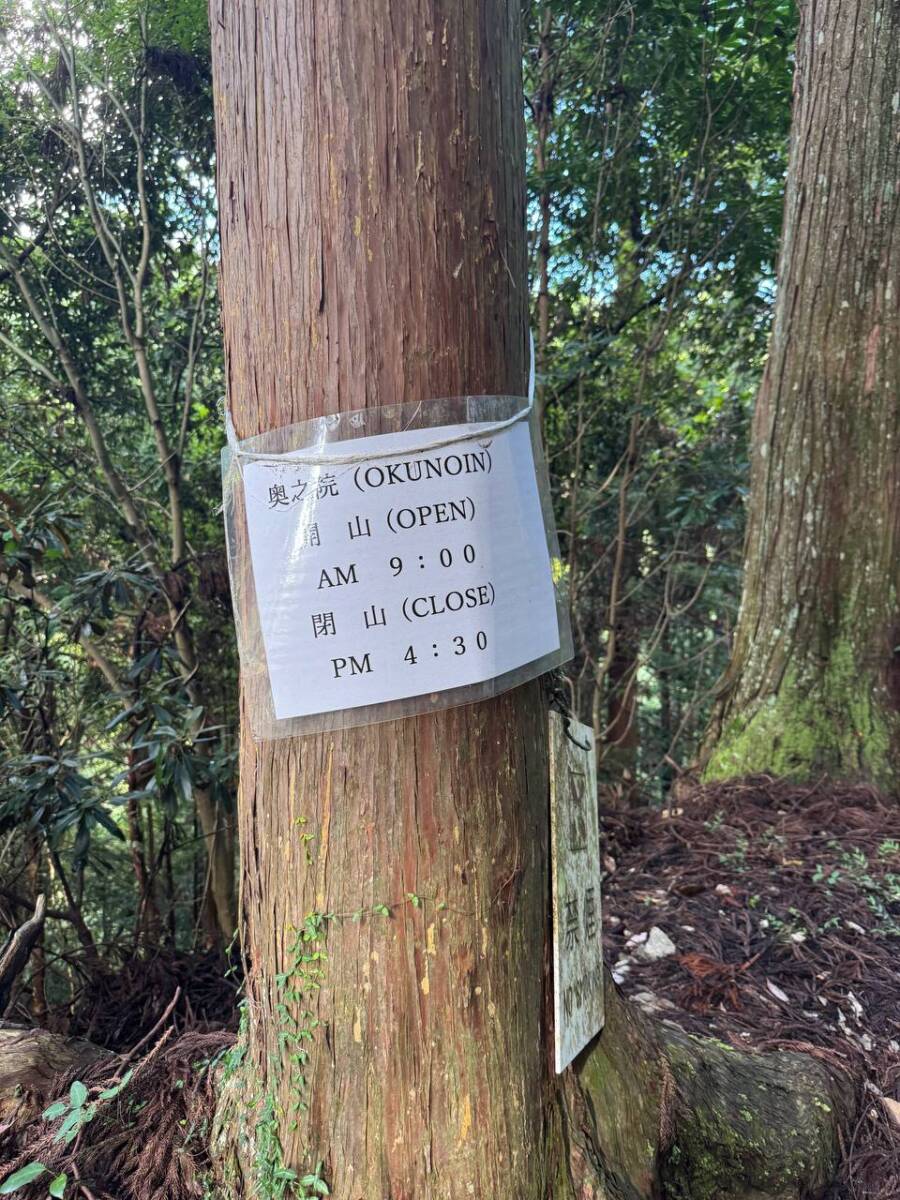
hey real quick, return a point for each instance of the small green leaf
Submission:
(78, 1093)
(57, 1187)
(26, 1174)
(70, 1126)
(183, 780)
(111, 1092)
(55, 1110)
(104, 819)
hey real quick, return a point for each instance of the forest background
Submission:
(657, 144)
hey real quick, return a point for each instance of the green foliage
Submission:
(78, 1110)
(881, 890)
(73, 1113)
(117, 666)
(661, 132)
(657, 138)
(30, 1173)
(25, 1175)
(296, 1025)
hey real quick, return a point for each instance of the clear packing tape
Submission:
(392, 561)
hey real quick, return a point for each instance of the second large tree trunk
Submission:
(814, 683)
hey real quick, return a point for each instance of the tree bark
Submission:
(621, 738)
(814, 683)
(372, 200)
(650, 1112)
(39, 1008)
(15, 953)
(646, 1113)
(219, 899)
(543, 112)
(395, 879)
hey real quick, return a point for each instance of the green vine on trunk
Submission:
(295, 988)
(273, 1179)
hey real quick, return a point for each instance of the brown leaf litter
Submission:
(783, 902)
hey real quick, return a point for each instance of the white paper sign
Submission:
(575, 841)
(402, 575)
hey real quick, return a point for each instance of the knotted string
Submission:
(316, 458)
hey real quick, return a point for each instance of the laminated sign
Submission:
(381, 570)
(575, 856)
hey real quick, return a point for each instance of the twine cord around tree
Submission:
(348, 459)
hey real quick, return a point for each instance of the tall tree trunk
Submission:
(219, 899)
(148, 924)
(36, 887)
(395, 878)
(814, 681)
(371, 182)
(621, 738)
(543, 111)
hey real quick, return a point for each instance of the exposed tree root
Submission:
(147, 1143)
(648, 1112)
(31, 1063)
(653, 1111)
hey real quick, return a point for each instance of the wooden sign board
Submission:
(575, 850)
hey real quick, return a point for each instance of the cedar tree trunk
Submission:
(814, 683)
(372, 206)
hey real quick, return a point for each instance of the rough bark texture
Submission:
(395, 878)
(651, 1112)
(543, 113)
(371, 183)
(18, 949)
(814, 684)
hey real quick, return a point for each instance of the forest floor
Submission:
(776, 912)
(782, 904)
